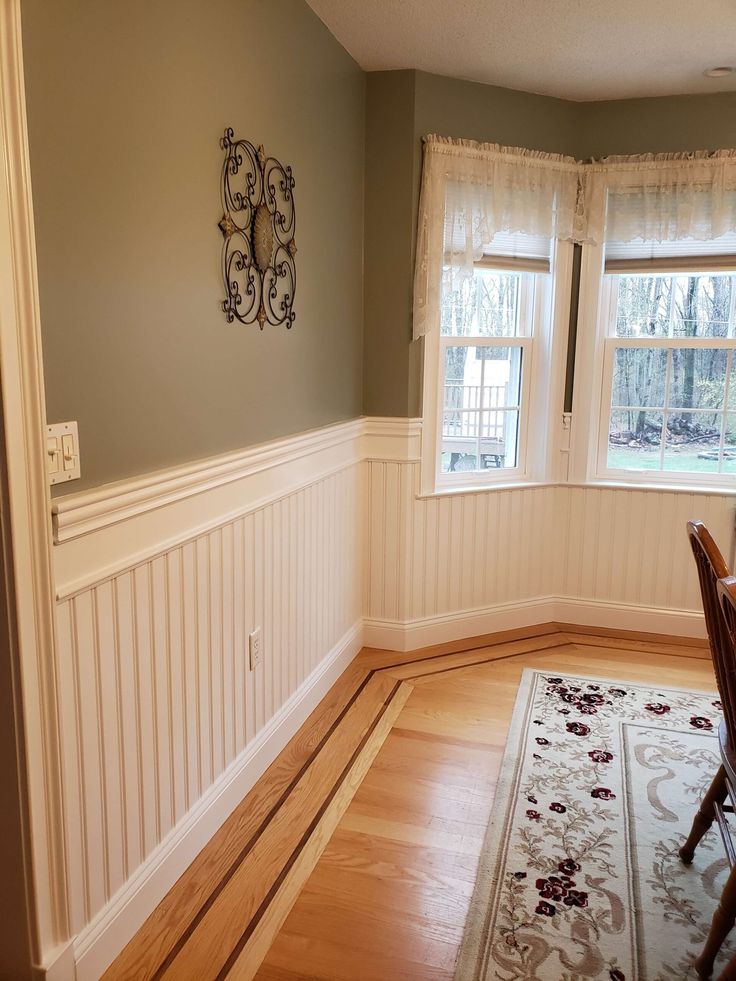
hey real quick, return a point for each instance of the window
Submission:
(649, 395)
(493, 241)
(489, 376)
(486, 357)
(669, 387)
(666, 365)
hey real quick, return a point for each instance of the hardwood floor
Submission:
(355, 856)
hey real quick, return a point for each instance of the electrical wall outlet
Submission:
(254, 647)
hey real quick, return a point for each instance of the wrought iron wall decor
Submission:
(258, 225)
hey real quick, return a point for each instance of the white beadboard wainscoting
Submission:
(323, 541)
(163, 726)
(454, 565)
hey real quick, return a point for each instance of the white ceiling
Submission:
(575, 49)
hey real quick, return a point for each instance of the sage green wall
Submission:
(473, 111)
(470, 110)
(390, 228)
(126, 104)
(662, 125)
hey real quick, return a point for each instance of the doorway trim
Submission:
(26, 519)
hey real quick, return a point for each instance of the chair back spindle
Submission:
(711, 567)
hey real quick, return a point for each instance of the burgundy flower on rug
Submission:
(588, 884)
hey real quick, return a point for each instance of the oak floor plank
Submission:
(206, 950)
(244, 966)
(404, 809)
(375, 816)
(141, 957)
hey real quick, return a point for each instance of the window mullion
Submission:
(724, 413)
(665, 408)
(671, 310)
(480, 406)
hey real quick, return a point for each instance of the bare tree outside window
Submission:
(672, 404)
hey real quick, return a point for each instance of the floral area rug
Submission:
(580, 876)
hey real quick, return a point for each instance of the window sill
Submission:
(718, 490)
(697, 489)
(483, 488)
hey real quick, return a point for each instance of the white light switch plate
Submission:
(62, 452)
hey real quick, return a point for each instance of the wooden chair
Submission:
(712, 568)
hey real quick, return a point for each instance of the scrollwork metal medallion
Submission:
(258, 224)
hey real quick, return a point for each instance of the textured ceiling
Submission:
(574, 49)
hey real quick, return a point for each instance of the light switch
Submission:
(68, 452)
(62, 447)
(52, 448)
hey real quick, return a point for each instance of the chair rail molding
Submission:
(26, 520)
(100, 532)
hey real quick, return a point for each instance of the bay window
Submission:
(493, 269)
(488, 327)
(653, 371)
(655, 387)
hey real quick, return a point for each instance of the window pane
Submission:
(731, 396)
(698, 378)
(482, 392)
(485, 304)
(500, 439)
(634, 440)
(692, 442)
(460, 441)
(483, 376)
(674, 305)
(729, 447)
(639, 377)
(643, 306)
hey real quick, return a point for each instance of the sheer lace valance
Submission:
(473, 191)
(661, 197)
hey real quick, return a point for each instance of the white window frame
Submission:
(544, 352)
(596, 346)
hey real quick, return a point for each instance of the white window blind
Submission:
(716, 255)
(517, 251)
(678, 222)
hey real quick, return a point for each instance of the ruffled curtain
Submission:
(472, 191)
(661, 197)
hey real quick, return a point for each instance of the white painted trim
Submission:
(410, 635)
(648, 619)
(99, 943)
(102, 532)
(59, 965)
(84, 513)
(391, 438)
(588, 367)
(21, 373)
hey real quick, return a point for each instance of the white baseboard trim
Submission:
(409, 635)
(647, 619)
(100, 942)
(59, 965)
